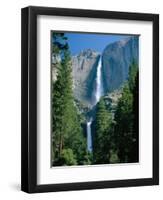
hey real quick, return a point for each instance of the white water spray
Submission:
(99, 85)
(89, 136)
(99, 91)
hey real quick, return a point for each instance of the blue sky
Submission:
(97, 42)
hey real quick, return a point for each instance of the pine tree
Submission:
(126, 118)
(134, 151)
(69, 144)
(133, 69)
(59, 48)
(101, 147)
(124, 124)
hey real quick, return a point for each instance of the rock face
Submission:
(116, 59)
(84, 68)
(55, 61)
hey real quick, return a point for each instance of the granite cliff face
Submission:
(116, 59)
(84, 73)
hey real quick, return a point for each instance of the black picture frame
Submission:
(29, 99)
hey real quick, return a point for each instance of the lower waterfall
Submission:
(89, 136)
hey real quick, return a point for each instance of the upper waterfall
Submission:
(99, 91)
(99, 83)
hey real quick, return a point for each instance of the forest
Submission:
(115, 132)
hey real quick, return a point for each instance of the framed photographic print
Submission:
(90, 99)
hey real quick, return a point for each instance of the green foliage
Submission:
(101, 147)
(133, 69)
(88, 158)
(113, 157)
(124, 124)
(67, 136)
(126, 133)
(67, 157)
(59, 43)
(134, 151)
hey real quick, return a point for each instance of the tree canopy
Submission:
(69, 143)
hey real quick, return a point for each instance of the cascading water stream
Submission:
(89, 136)
(98, 93)
(99, 84)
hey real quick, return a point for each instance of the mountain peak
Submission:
(117, 58)
(88, 53)
(121, 43)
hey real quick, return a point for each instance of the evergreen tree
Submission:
(126, 118)
(133, 69)
(67, 157)
(58, 96)
(69, 144)
(124, 124)
(134, 151)
(101, 147)
(59, 43)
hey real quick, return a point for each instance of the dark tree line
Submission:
(68, 141)
(116, 138)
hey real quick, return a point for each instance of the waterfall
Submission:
(89, 136)
(99, 91)
(99, 85)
